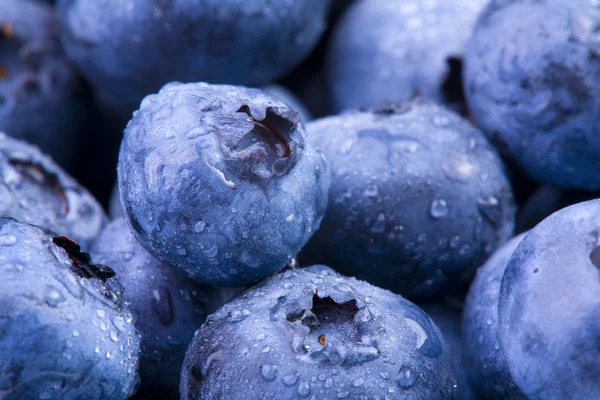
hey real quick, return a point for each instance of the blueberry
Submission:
(548, 306)
(312, 332)
(167, 306)
(42, 100)
(447, 316)
(484, 358)
(129, 49)
(418, 198)
(388, 51)
(35, 190)
(220, 182)
(65, 332)
(532, 84)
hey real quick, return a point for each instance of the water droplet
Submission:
(303, 389)
(291, 217)
(268, 372)
(108, 355)
(418, 330)
(53, 297)
(342, 395)
(358, 382)
(103, 326)
(100, 313)
(212, 251)
(8, 240)
(238, 316)
(163, 306)
(384, 375)
(114, 336)
(489, 208)
(76, 333)
(290, 380)
(406, 378)
(200, 226)
(439, 208)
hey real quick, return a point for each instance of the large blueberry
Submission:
(390, 51)
(483, 355)
(221, 182)
(130, 48)
(418, 198)
(167, 306)
(42, 100)
(34, 189)
(312, 333)
(447, 317)
(65, 331)
(533, 85)
(549, 310)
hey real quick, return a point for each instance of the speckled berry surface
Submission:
(532, 85)
(65, 330)
(35, 190)
(130, 48)
(221, 182)
(167, 306)
(390, 51)
(548, 306)
(418, 198)
(312, 333)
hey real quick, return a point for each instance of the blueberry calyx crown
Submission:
(81, 262)
(267, 150)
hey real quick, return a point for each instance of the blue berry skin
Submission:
(220, 181)
(483, 355)
(129, 49)
(548, 306)
(418, 198)
(42, 99)
(65, 332)
(386, 51)
(532, 85)
(167, 307)
(447, 317)
(312, 333)
(35, 190)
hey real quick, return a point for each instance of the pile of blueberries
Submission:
(308, 199)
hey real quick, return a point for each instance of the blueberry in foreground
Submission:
(66, 332)
(221, 182)
(418, 198)
(532, 85)
(128, 49)
(386, 51)
(548, 306)
(35, 190)
(484, 357)
(42, 99)
(447, 317)
(167, 306)
(312, 333)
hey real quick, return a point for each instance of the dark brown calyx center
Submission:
(265, 151)
(81, 263)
